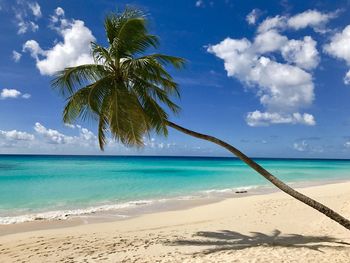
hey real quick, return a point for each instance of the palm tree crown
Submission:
(126, 91)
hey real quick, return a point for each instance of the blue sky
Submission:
(270, 77)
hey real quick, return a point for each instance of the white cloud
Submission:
(12, 94)
(24, 18)
(26, 96)
(33, 48)
(69, 125)
(16, 56)
(276, 22)
(82, 141)
(347, 78)
(35, 8)
(9, 93)
(339, 48)
(253, 16)
(302, 53)
(15, 135)
(59, 11)
(269, 41)
(24, 26)
(258, 118)
(281, 87)
(284, 88)
(73, 51)
(52, 136)
(85, 138)
(87, 135)
(58, 18)
(310, 18)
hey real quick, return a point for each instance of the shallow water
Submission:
(33, 187)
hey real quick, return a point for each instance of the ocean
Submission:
(36, 187)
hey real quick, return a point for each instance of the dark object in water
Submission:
(241, 192)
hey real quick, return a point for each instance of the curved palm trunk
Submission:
(278, 183)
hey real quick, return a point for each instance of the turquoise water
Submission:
(36, 184)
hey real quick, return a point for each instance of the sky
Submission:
(270, 77)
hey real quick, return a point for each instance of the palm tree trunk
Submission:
(278, 183)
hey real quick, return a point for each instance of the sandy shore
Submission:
(261, 228)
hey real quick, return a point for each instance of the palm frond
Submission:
(177, 62)
(70, 79)
(113, 22)
(128, 92)
(78, 107)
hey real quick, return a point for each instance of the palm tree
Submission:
(128, 93)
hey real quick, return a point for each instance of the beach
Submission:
(271, 227)
(130, 133)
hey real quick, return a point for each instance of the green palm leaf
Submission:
(129, 93)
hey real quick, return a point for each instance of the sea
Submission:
(47, 187)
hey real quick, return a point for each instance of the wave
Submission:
(121, 207)
(232, 190)
(65, 214)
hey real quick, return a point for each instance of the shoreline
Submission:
(145, 207)
(232, 230)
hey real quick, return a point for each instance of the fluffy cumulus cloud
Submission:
(339, 48)
(13, 94)
(277, 22)
(13, 139)
(283, 84)
(76, 139)
(269, 41)
(302, 53)
(49, 139)
(15, 135)
(9, 93)
(52, 136)
(72, 51)
(33, 47)
(85, 137)
(281, 87)
(258, 118)
(339, 45)
(310, 18)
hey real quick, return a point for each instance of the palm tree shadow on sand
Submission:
(231, 240)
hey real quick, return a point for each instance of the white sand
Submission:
(262, 228)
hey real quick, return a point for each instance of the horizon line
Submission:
(167, 156)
